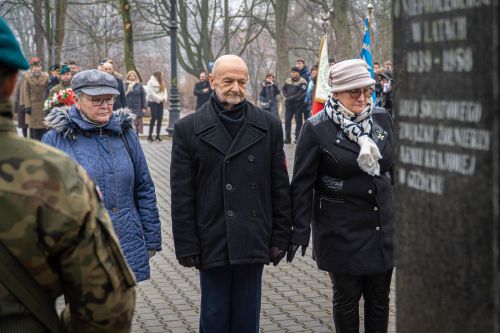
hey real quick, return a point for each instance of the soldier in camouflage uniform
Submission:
(53, 223)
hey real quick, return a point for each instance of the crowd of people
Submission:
(90, 220)
(38, 92)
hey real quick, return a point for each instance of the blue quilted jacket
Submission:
(123, 178)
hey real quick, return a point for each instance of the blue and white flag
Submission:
(366, 51)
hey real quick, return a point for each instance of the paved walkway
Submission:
(295, 297)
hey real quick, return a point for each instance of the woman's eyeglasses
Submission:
(98, 101)
(355, 93)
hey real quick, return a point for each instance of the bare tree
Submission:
(39, 31)
(96, 33)
(128, 35)
(201, 35)
(19, 15)
(280, 34)
(60, 27)
(382, 30)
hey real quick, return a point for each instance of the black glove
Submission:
(27, 110)
(190, 261)
(292, 249)
(276, 255)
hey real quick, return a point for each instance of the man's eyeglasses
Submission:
(98, 101)
(355, 93)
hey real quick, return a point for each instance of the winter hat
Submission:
(64, 69)
(349, 74)
(11, 55)
(295, 69)
(94, 83)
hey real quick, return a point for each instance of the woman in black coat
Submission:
(341, 187)
(136, 100)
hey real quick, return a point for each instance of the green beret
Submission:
(64, 69)
(11, 55)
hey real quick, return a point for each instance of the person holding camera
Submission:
(385, 97)
(267, 96)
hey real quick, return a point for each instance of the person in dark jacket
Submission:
(121, 99)
(53, 76)
(341, 186)
(386, 79)
(103, 142)
(230, 199)
(303, 70)
(202, 90)
(294, 91)
(311, 92)
(136, 100)
(267, 96)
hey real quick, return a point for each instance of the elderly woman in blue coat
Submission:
(104, 143)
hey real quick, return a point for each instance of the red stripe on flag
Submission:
(317, 107)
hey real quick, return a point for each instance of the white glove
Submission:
(368, 156)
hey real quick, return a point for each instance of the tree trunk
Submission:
(61, 6)
(128, 36)
(342, 46)
(226, 27)
(282, 64)
(48, 31)
(39, 34)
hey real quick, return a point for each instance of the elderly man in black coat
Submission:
(231, 207)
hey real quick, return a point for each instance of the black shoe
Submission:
(150, 139)
(158, 139)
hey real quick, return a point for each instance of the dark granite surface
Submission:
(447, 175)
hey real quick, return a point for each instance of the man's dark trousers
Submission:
(230, 299)
(290, 112)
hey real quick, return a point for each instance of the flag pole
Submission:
(321, 87)
(370, 9)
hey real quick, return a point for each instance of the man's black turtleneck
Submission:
(233, 118)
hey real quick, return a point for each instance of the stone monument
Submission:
(447, 111)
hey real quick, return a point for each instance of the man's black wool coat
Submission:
(230, 198)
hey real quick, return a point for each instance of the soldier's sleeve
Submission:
(98, 284)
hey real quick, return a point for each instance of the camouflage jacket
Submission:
(53, 222)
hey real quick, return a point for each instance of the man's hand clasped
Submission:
(276, 254)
